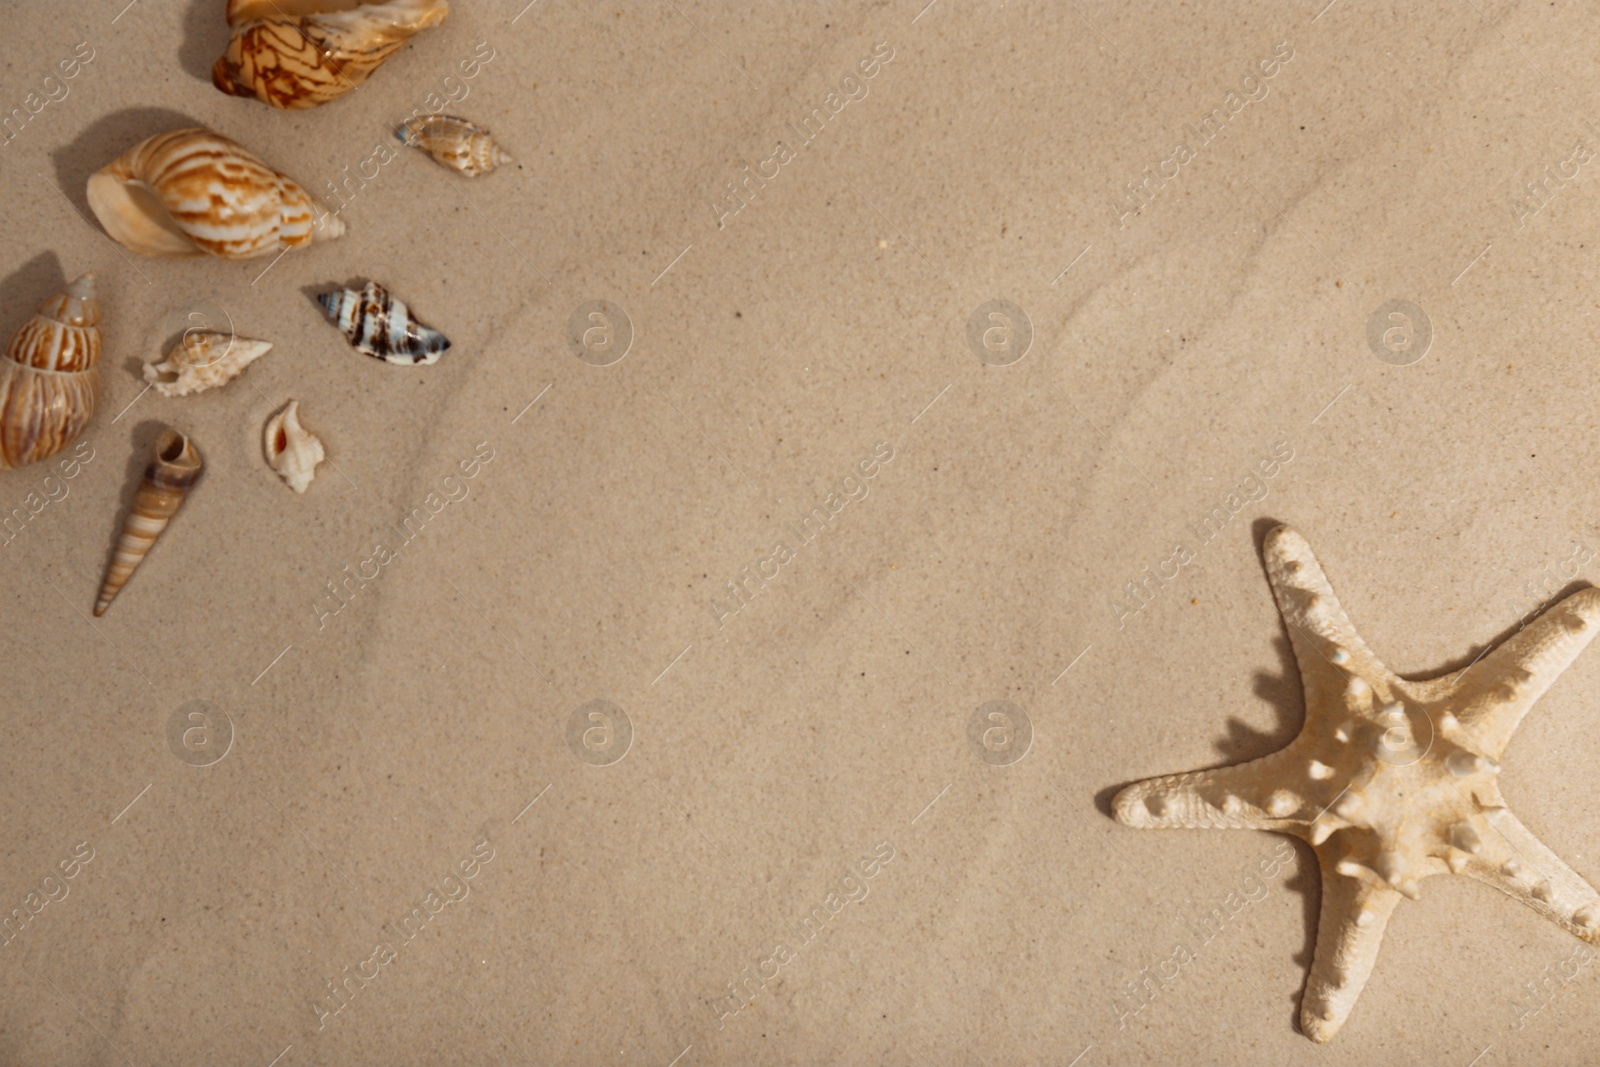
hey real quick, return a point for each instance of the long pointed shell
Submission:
(382, 327)
(455, 143)
(201, 360)
(193, 191)
(292, 450)
(50, 377)
(302, 53)
(168, 479)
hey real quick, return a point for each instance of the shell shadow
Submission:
(24, 289)
(316, 289)
(134, 365)
(205, 38)
(104, 140)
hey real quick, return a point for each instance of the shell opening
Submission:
(171, 448)
(132, 214)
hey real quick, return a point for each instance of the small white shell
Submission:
(203, 360)
(292, 451)
(455, 143)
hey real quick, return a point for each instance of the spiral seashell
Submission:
(201, 360)
(193, 191)
(292, 450)
(382, 327)
(456, 143)
(171, 474)
(303, 53)
(50, 377)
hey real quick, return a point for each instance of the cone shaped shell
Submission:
(382, 327)
(193, 192)
(455, 143)
(301, 54)
(50, 377)
(171, 474)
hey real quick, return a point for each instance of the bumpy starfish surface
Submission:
(1390, 780)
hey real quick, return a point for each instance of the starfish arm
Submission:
(1354, 914)
(1497, 691)
(1326, 645)
(1246, 796)
(1521, 866)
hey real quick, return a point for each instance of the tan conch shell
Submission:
(455, 143)
(50, 377)
(302, 53)
(201, 360)
(193, 191)
(172, 472)
(292, 451)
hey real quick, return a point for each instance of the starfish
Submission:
(1390, 780)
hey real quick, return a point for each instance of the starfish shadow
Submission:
(1477, 652)
(1284, 690)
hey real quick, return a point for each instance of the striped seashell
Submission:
(171, 474)
(190, 192)
(302, 53)
(455, 143)
(50, 377)
(380, 326)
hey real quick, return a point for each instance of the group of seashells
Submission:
(193, 192)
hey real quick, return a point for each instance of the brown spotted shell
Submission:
(302, 53)
(192, 192)
(455, 143)
(50, 377)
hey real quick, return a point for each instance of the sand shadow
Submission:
(1478, 651)
(104, 140)
(205, 38)
(1284, 691)
(317, 289)
(24, 289)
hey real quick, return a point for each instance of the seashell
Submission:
(172, 473)
(50, 377)
(193, 191)
(455, 143)
(303, 53)
(380, 326)
(293, 451)
(201, 360)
